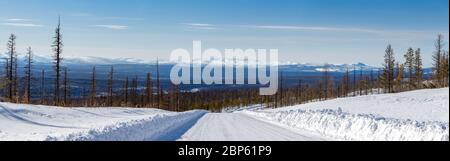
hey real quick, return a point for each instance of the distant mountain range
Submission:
(89, 60)
(306, 67)
(80, 71)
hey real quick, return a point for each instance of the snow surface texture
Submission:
(240, 127)
(415, 115)
(409, 116)
(31, 122)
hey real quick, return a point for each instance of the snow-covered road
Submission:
(240, 127)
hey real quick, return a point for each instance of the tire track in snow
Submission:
(240, 127)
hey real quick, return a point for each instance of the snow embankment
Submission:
(31, 122)
(409, 116)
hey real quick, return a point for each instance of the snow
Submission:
(416, 115)
(33, 122)
(240, 127)
(420, 105)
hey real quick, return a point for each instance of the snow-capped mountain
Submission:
(90, 60)
(328, 67)
(305, 67)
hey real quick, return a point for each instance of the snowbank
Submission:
(346, 126)
(32, 122)
(417, 115)
(419, 105)
(160, 127)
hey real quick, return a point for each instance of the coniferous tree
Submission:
(133, 92)
(93, 87)
(388, 70)
(346, 83)
(12, 55)
(299, 91)
(149, 90)
(371, 81)
(354, 80)
(4, 84)
(326, 81)
(16, 81)
(379, 81)
(158, 85)
(437, 59)
(281, 89)
(66, 88)
(409, 66)
(43, 87)
(445, 69)
(57, 57)
(418, 69)
(125, 92)
(361, 81)
(28, 75)
(110, 86)
(400, 71)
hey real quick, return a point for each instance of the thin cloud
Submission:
(96, 17)
(201, 26)
(316, 28)
(124, 18)
(205, 28)
(18, 20)
(22, 24)
(113, 27)
(80, 14)
(292, 28)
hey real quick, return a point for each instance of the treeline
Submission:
(395, 76)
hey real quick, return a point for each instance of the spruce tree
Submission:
(437, 59)
(409, 65)
(418, 69)
(388, 69)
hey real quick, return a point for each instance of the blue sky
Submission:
(306, 31)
